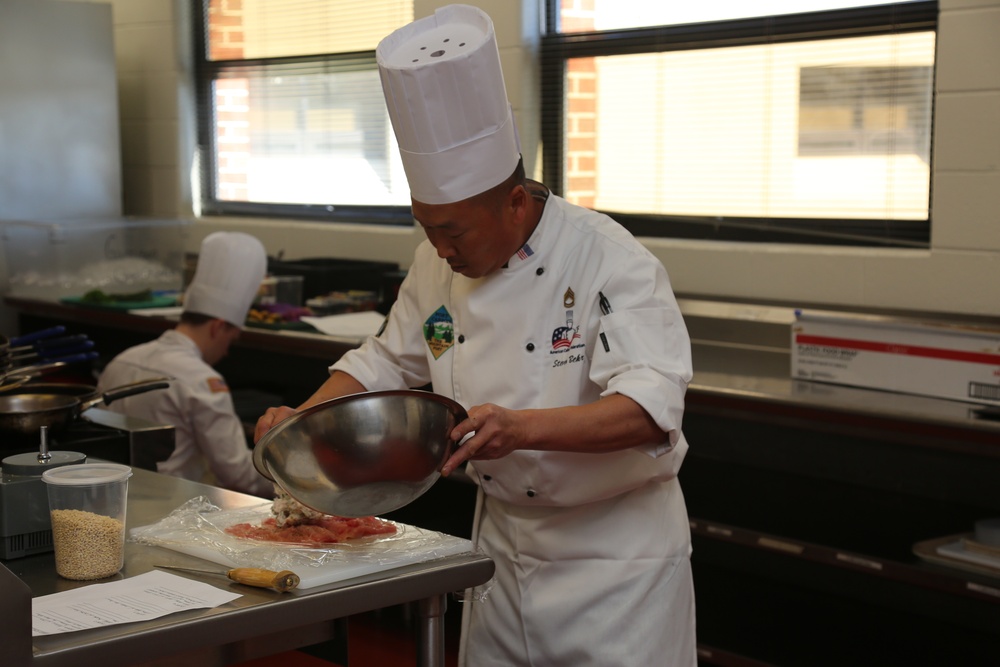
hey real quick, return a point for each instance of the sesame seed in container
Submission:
(87, 508)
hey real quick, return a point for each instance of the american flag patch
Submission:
(563, 337)
(217, 385)
(525, 252)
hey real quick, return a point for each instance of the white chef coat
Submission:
(211, 445)
(533, 335)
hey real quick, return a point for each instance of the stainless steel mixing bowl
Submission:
(363, 454)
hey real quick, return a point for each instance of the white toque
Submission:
(231, 266)
(445, 94)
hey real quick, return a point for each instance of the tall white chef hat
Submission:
(445, 93)
(230, 268)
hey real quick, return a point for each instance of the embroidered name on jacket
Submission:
(439, 332)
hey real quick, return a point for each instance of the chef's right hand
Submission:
(270, 418)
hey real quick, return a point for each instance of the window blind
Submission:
(291, 115)
(798, 127)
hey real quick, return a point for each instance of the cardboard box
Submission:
(930, 359)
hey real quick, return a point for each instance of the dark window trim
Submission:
(381, 215)
(556, 48)
(833, 24)
(854, 232)
(205, 116)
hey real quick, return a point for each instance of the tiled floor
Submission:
(378, 639)
(287, 659)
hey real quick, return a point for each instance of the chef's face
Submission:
(475, 236)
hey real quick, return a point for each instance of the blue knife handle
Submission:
(62, 341)
(53, 354)
(32, 337)
(74, 358)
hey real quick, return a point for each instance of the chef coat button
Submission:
(539, 271)
(530, 347)
(487, 477)
(531, 493)
(461, 338)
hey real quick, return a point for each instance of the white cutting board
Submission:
(957, 550)
(200, 534)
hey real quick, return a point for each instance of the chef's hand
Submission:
(269, 419)
(496, 432)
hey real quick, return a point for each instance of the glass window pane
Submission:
(306, 135)
(312, 130)
(825, 129)
(277, 28)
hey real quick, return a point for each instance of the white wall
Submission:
(959, 274)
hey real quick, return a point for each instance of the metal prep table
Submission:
(259, 623)
(807, 500)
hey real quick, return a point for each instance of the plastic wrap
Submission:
(198, 528)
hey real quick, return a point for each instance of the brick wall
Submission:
(581, 100)
(225, 26)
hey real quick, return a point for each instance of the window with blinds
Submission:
(292, 119)
(805, 121)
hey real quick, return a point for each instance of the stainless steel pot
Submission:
(80, 391)
(362, 454)
(26, 413)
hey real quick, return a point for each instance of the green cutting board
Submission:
(155, 302)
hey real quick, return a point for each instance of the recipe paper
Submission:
(140, 598)
(358, 325)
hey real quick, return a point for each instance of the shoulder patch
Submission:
(217, 385)
(439, 332)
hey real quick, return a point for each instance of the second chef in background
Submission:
(211, 445)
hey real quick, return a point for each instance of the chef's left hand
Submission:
(271, 417)
(496, 432)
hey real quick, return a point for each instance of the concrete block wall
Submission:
(959, 275)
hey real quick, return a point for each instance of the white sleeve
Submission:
(644, 351)
(397, 357)
(219, 435)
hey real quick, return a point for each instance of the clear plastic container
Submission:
(55, 259)
(87, 509)
(280, 289)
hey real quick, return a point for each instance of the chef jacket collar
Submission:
(527, 252)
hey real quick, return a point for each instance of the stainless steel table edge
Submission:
(257, 613)
(423, 583)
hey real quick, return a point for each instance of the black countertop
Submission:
(746, 366)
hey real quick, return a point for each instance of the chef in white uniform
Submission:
(561, 336)
(211, 445)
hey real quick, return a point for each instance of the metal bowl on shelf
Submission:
(363, 454)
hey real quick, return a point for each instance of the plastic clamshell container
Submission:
(280, 289)
(51, 260)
